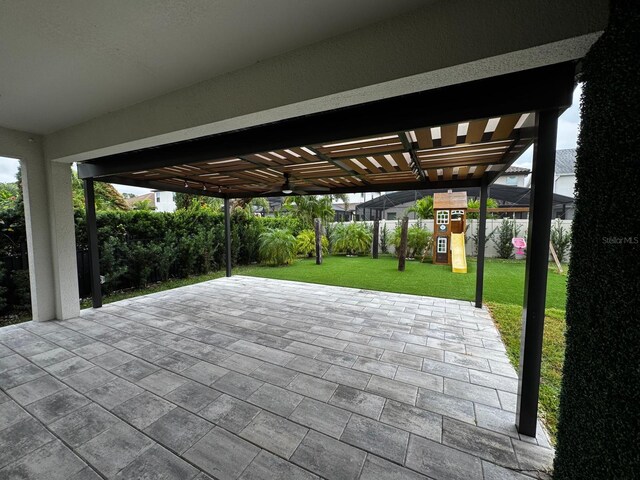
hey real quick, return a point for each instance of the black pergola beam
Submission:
(524, 91)
(537, 267)
(92, 240)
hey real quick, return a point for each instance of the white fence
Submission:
(472, 228)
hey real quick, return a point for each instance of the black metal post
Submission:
(227, 236)
(535, 287)
(376, 237)
(482, 230)
(92, 237)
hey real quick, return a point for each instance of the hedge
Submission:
(600, 398)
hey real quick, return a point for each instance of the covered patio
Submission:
(252, 378)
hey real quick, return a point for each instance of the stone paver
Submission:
(232, 379)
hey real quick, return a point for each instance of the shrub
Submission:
(277, 247)
(598, 422)
(423, 208)
(352, 238)
(419, 240)
(3, 290)
(384, 239)
(502, 236)
(306, 243)
(560, 239)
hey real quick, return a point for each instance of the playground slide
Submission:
(458, 257)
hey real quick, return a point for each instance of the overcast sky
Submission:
(567, 136)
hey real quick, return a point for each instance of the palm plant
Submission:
(306, 243)
(423, 208)
(419, 241)
(277, 247)
(475, 204)
(309, 207)
(352, 238)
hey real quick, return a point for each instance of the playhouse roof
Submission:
(450, 200)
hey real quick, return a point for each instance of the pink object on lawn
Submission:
(520, 244)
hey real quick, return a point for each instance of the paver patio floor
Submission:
(263, 379)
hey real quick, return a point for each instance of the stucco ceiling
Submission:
(65, 61)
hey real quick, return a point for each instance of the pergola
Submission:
(464, 135)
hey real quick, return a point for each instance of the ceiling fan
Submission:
(289, 187)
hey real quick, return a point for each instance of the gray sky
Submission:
(567, 137)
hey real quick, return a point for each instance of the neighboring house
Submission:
(394, 205)
(565, 179)
(159, 201)
(514, 176)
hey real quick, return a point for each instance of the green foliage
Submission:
(501, 237)
(352, 238)
(491, 203)
(306, 243)
(3, 290)
(277, 247)
(309, 207)
(423, 208)
(598, 426)
(384, 239)
(419, 241)
(560, 239)
(143, 205)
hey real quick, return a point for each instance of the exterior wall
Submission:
(492, 224)
(164, 202)
(50, 227)
(513, 180)
(565, 185)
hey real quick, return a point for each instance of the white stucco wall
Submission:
(164, 202)
(565, 185)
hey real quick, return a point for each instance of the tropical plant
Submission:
(419, 241)
(423, 208)
(384, 239)
(560, 239)
(309, 207)
(3, 290)
(502, 236)
(475, 204)
(277, 247)
(352, 238)
(306, 243)
(143, 205)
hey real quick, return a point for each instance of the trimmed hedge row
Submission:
(600, 397)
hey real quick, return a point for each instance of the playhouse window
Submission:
(456, 215)
(442, 216)
(442, 244)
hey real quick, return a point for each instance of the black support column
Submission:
(227, 236)
(535, 288)
(92, 238)
(482, 230)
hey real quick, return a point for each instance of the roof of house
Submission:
(141, 198)
(503, 194)
(513, 170)
(565, 161)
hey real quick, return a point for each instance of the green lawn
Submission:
(504, 279)
(503, 292)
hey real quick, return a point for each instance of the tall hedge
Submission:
(599, 425)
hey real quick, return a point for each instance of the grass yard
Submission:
(503, 292)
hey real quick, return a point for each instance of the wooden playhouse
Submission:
(450, 218)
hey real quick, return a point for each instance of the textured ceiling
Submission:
(63, 62)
